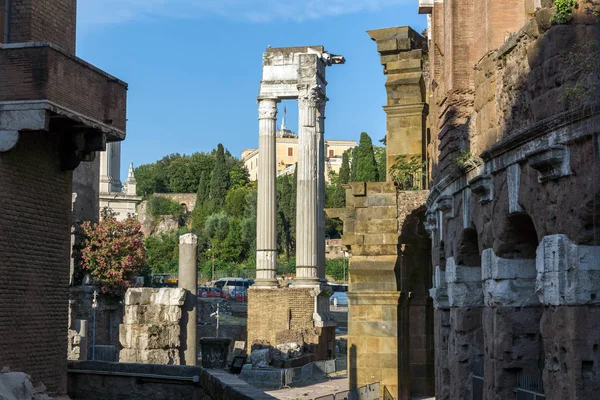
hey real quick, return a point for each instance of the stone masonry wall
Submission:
(289, 320)
(390, 336)
(151, 328)
(515, 172)
(35, 204)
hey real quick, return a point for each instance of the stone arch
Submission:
(467, 248)
(516, 238)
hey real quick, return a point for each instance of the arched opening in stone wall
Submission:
(467, 248)
(465, 332)
(513, 311)
(517, 238)
(414, 275)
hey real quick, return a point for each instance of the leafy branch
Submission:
(407, 174)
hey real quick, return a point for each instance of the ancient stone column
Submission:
(307, 203)
(188, 280)
(266, 222)
(321, 191)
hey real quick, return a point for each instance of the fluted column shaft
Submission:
(307, 204)
(266, 213)
(321, 259)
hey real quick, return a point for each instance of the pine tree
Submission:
(345, 169)
(203, 189)
(219, 183)
(364, 166)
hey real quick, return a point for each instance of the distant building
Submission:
(287, 154)
(120, 198)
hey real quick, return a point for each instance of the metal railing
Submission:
(530, 387)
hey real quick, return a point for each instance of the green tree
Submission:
(345, 168)
(219, 183)
(235, 202)
(285, 214)
(216, 229)
(238, 175)
(163, 252)
(380, 155)
(364, 166)
(203, 191)
(249, 224)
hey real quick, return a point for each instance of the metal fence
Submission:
(367, 392)
(530, 388)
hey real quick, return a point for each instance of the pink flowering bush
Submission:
(113, 253)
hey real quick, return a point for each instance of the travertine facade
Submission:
(390, 337)
(55, 111)
(514, 204)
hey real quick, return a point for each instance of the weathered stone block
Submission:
(149, 336)
(510, 293)
(461, 273)
(567, 274)
(494, 267)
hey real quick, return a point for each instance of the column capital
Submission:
(267, 108)
(311, 96)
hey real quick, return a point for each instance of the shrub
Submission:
(159, 206)
(408, 174)
(563, 11)
(113, 253)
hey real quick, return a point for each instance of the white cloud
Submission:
(93, 12)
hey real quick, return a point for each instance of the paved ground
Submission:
(313, 391)
(318, 389)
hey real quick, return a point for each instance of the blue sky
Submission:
(194, 66)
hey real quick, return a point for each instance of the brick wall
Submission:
(35, 243)
(40, 73)
(280, 316)
(44, 20)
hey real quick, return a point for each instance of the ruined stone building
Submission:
(501, 99)
(56, 111)
(298, 313)
(515, 197)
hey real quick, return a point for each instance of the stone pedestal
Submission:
(214, 352)
(291, 315)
